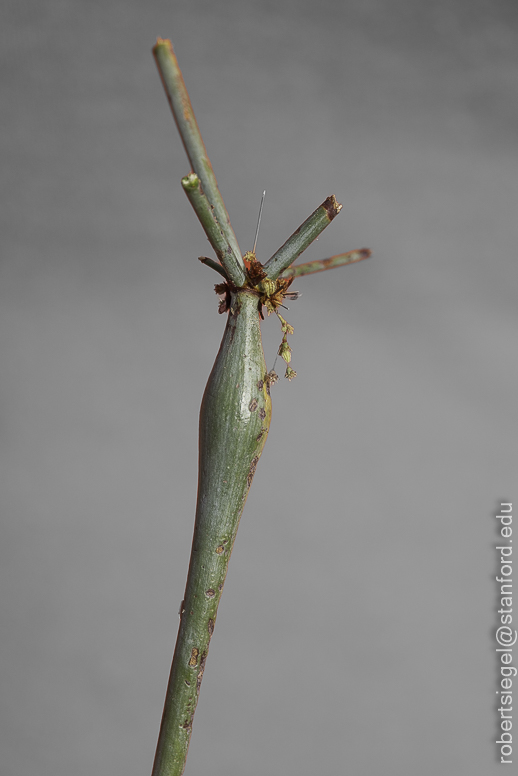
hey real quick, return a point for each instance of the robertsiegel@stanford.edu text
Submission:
(505, 635)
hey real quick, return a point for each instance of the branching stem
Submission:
(183, 113)
(310, 267)
(236, 408)
(303, 237)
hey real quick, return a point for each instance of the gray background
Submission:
(356, 633)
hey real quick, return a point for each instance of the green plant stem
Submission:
(234, 418)
(183, 113)
(310, 267)
(217, 238)
(302, 238)
(213, 265)
(234, 421)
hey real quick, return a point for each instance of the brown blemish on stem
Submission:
(262, 414)
(200, 673)
(251, 471)
(331, 206)
(253, 405)
(210, 627)
(210, 593)
(193, 660)
(220, 549)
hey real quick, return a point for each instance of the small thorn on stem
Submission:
(259, 220)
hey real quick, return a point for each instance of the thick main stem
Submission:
(234, 421)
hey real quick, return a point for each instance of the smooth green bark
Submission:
(216, 236)
(234, 421)
(213, 265)
(302, 238)
(310, 267)
(235, 413)
(183, 113)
